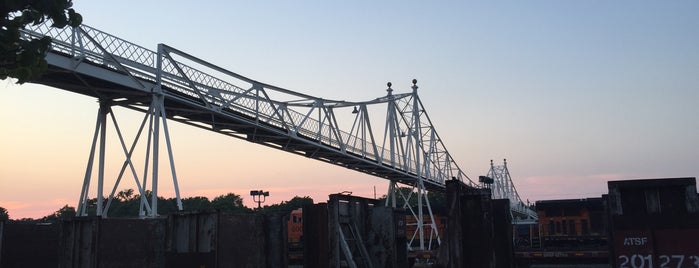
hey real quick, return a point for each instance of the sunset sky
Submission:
(572, 93)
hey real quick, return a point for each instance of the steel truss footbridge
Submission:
(502, 187)
(170, 84)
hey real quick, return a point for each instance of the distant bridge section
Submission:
(502, 187)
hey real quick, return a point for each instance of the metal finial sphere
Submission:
(414, 82)
(389, 84)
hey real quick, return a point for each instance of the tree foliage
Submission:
(65, 213)
(4, 215)
(127, 202)
(24, 59)
(288, 206)
(229, 203)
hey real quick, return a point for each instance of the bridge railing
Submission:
(88, 44)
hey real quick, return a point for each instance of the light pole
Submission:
(261, 197)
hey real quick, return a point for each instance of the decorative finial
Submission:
(389, 88)
(504, 161)
(414, 82)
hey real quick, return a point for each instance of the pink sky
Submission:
(573, 94)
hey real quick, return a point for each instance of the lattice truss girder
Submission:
(224, 101)
(503, 188)
(405, 148)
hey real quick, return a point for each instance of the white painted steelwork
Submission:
(503, 188)
(94, 63)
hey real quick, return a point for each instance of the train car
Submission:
(526, 235)
(411, 228)
(654, 222)
(295, 236)
(572, 223)
(295, 227)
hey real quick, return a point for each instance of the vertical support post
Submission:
(391, 131)
(84, 193)
(391, 114)
(104, 110)
(144, 198)
(156, 101)
(169, 153)
(156, 140)
(418, 166)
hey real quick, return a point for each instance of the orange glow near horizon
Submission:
(571, 100)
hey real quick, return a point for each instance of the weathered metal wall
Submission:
(29, 245)
(349, 212)
(470, 240)
(353, 230)
(78, 245)
(276, 239)
(503, 245)
(180, 240)
(191, 240)
(131, 243)
(241, 241)
(316, 248)
(95, 242)
(386, 239)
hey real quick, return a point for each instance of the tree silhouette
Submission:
(288, 206)
(229, 203)
(25, 59)
(64, 213)
(197, 203)
(4, 215)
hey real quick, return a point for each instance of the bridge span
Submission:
(399, 143)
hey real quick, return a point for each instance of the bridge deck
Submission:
(188, 110)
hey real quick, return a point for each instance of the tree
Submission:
(125, 195)
(229, 203)
(197, 203)
(288, 206)
(25, 59)
(64, 213)
(4, 215)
